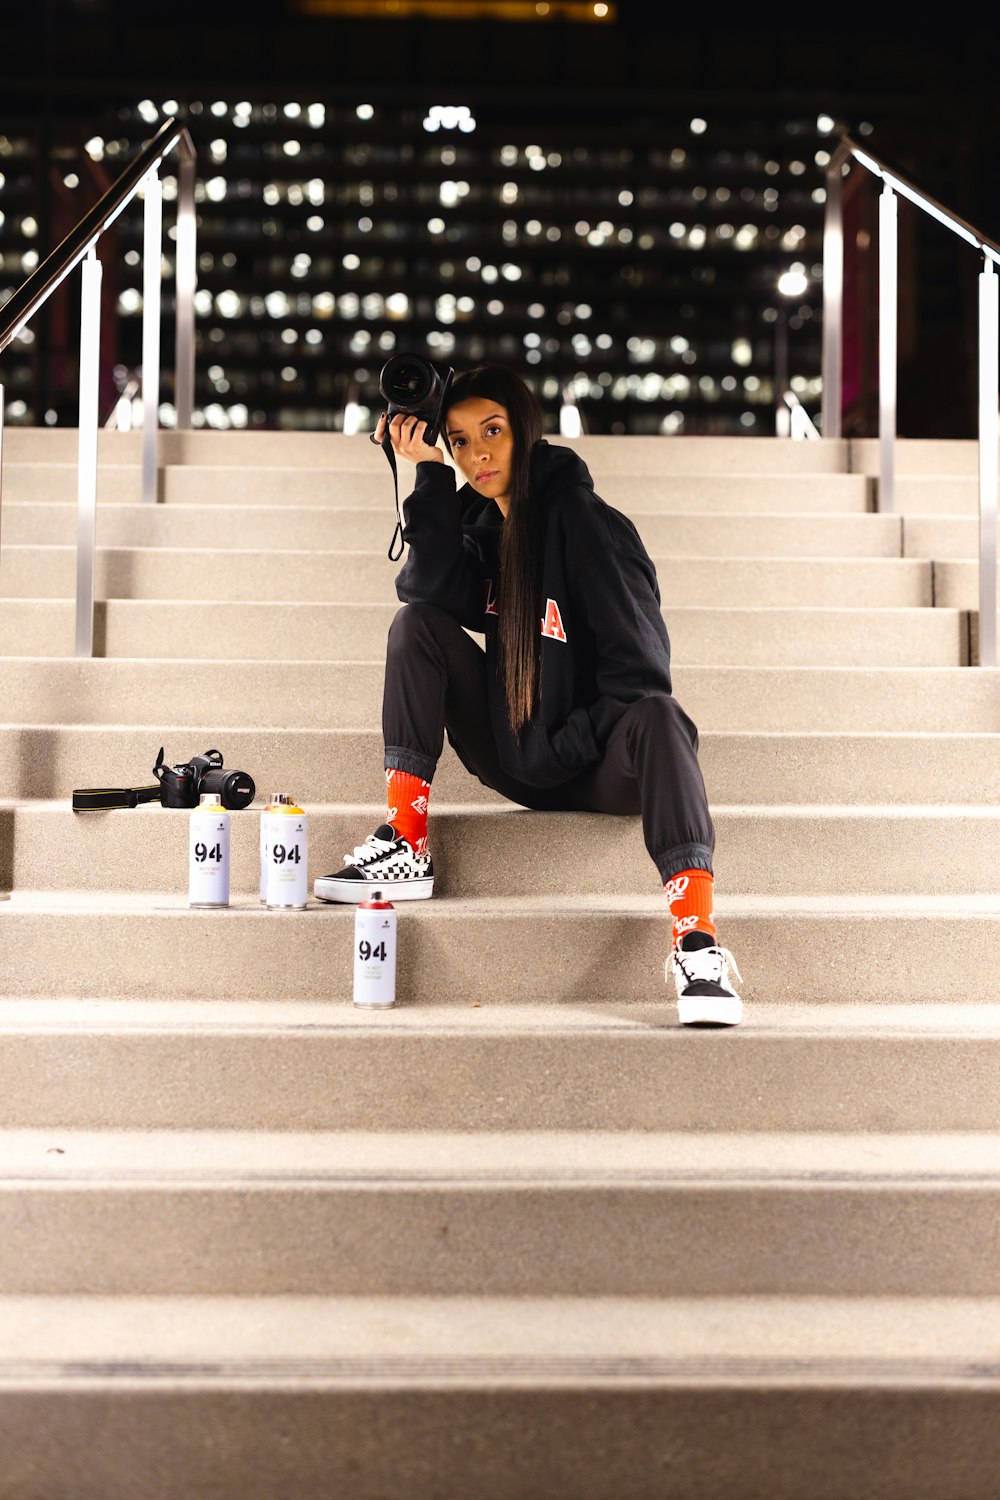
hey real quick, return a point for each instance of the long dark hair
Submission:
(521, 540)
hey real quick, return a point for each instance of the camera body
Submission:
(417, 387)
(183, 785)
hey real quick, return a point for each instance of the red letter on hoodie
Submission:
(552, 625)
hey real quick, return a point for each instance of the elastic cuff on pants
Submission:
(411, 761)
(684, 857)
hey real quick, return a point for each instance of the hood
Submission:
(556, 468)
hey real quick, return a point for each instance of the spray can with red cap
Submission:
(375, 953)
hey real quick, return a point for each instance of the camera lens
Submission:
(406, 381)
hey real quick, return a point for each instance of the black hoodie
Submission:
(604, 643)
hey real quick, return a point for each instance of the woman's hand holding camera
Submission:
(406, 433)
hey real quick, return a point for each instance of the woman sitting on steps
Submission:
(575, 716)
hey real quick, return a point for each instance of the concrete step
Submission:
(941, 536)
(917, 456)
(778, 850)
(39, 760)
(40, 572)
(369, 486)
(956, 584)
(707, 634)
(934, 495)
(333, 450)
(307, 1397)
(323, 528)
(936, 948)
(271, 1065)
(426, 1214)
(348, 695)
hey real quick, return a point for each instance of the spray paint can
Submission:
(287, 885)
(375, 953)
(278, 799)
(208, 853)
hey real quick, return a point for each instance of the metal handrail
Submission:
(80, 246)
(893, 183)
(18, 310)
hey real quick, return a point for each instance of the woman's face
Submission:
(481, 439)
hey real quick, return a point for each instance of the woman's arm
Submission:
(442, 566)
(619, 599)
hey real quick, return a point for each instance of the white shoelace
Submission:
(371, 849)
(708, 964)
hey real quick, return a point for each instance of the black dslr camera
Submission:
(417, 387)
(183, 785)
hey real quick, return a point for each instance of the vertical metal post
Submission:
(1, 456)
(989, 435)
(833, 299)
(152, 241)
(782, 425)
(186, 282)
(3, 894)
(86, 478)
(888, 276)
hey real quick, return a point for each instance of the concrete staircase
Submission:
(520, 1237)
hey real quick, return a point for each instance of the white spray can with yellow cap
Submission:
(286, 844)
(277, 799)
(208, 853)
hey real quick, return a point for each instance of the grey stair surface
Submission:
(520, 1236)
(761, 767)
(252, 631)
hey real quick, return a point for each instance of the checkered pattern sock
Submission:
(690, 898)
(407, 798)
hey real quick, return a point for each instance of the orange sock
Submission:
(407, 798)
(690, 898)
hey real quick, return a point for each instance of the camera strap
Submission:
(386, 446)
(100, 798)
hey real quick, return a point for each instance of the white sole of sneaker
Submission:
(353, 892)
(710, 1010)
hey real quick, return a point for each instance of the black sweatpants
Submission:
(435, 679)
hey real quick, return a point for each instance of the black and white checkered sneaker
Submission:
(386, 862)
(705, 996)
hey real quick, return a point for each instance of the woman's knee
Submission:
(661, 716)
(414, 624)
